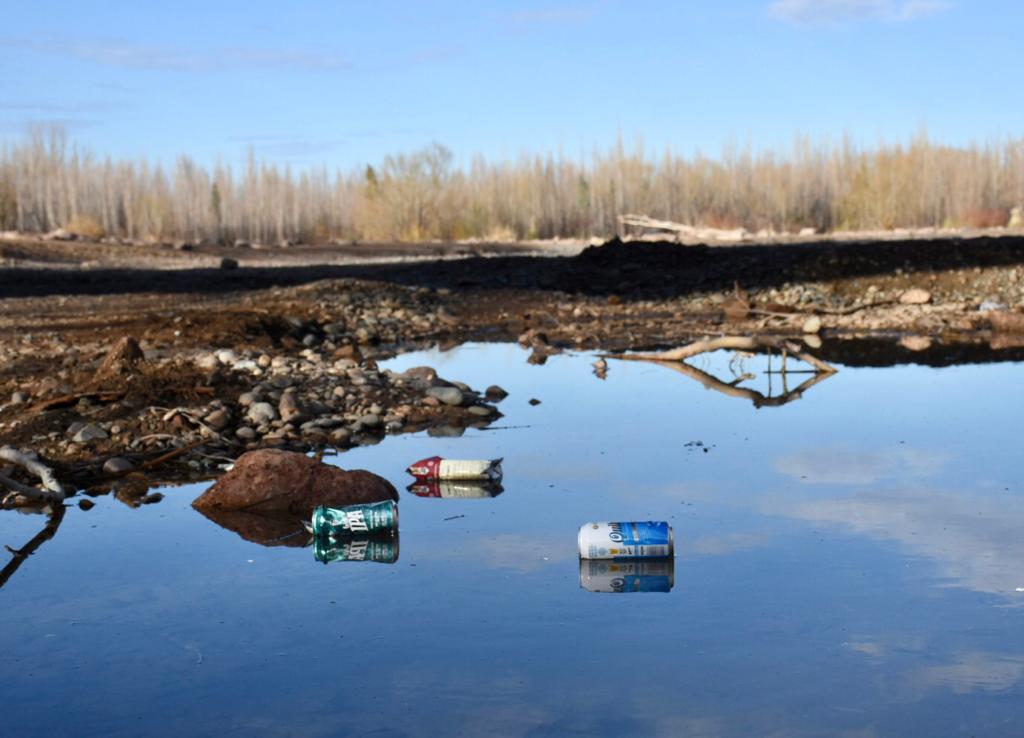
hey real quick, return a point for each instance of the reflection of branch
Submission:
(731, 390)
(735, 343)
(29, 548)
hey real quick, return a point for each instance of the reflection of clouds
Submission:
(976, 539)
(519, 553)
(973, 672)
(846, 466)
(727, 544)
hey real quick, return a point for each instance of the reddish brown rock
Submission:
(1006, 322)
(270, 480)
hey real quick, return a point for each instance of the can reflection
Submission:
(381, 548)
(647, 575)
(464, 490)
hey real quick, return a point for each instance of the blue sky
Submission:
(343, 83)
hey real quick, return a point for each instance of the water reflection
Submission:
(20, 555)
(382, 549)
(650, 575)
(975, 539)
(267, 528)
(455, 489)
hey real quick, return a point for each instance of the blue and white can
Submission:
(626, 540)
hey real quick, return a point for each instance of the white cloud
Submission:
(839, 465)
(838, 11)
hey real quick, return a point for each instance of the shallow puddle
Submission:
(850, 562)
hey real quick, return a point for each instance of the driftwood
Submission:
(52, 490)
(66, 400)
(20, 554)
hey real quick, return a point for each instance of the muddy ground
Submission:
(279, 347)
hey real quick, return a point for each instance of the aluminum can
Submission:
(332, 522)
(626, 540)
(382, 549)
(456, 469)
(464, 490)
(639, 575)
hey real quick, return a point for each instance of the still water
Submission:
(850, 563)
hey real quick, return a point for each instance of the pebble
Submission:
(86, 504)
(812, 324)
(481, 410)
(245, 433)
(227, 356)
(218, 419)
(534, 401)
(494, 393)
(117, 465)
(291, 409)
(370, 420)
(448, 395)
(89, 433)
(18, 398)
(261, 412)
(915, 296)
(248, 398)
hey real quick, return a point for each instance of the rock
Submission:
(425, 373)
(245, 433)
(261, 412)
(206, 361)
(370, 420)
(86, 504)
(89, 433)
(534, 401)
(121, 359)
(227, 263)
(916, 343)
(117, 465)
(227, 357)
(247, 398)
(481, 410)
(18, 398)
(812, 340)
(271, 480)
(1007, 322)
(494, 393)
(448, 395)
(990, 305)
(812, 324)
(218, 419)
(915, 296)
(291, 409)
(341, 436)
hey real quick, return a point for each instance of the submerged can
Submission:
(382, 549)
(457, 469)
(641, 575)
(626, 540)
(464, 490)
(379, 517)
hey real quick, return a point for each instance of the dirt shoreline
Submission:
(300, 331)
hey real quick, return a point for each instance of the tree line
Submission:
(48, 182)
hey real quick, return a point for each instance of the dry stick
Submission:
(52, 490)
(170, 455)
